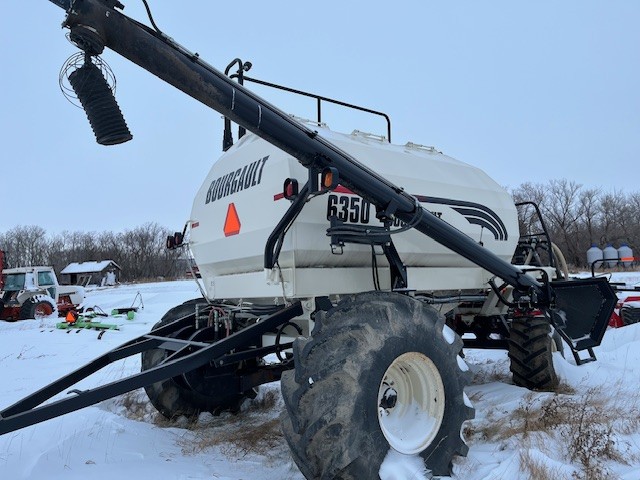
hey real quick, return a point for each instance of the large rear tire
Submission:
(38, 306)
(1, 310)
(173, 397)
(531, 348)
(630, 315)
(380, 371)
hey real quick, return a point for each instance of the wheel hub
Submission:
(411, 403)
(42, 310)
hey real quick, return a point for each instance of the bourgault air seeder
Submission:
(330, 285)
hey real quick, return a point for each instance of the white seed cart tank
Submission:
(241, 201)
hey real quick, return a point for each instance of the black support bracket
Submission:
(30, 410)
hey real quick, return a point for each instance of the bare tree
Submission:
(562, 208)
(25, 246)
(140, 251)
(613, 208)
(588, 222)
(577, 217)
(528, 220)
(145, 254)
(633, 213)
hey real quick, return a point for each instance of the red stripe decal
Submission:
(341, 189)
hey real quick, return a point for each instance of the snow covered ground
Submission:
(590, 429)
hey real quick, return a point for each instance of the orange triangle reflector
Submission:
(232, 222)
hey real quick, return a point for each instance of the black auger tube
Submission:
(184, 70)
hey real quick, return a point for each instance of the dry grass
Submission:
(264, 402)
(564, 388)
(535, 469)
(255, 431)
(588, 427)
(499, 372)
(135, 404)
(237, 438)
(492, 372)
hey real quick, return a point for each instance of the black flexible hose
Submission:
(153, 23)
(103, 112)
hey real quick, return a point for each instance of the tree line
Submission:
(577, 217)
(139, 251)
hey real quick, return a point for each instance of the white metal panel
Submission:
(251, 174)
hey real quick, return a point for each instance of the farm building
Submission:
(105, 272)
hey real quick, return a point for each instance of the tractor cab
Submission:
(28, 292)
(27, 279)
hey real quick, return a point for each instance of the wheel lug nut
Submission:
(389, 398)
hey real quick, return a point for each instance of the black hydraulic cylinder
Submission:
(184, 70)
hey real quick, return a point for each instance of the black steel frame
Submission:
(319, 99)
(545, 232)
(366, 235)
(192, 355)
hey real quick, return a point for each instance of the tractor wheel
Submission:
(557, 344)
(381, 371)
(173, 397)
(530, 350)
(630, 315)
(38, 306)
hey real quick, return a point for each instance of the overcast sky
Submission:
(528, 91)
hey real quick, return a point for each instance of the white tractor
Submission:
(34, 292)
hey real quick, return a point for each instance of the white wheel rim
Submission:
(411, 403)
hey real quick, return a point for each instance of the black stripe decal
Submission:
(475, 213)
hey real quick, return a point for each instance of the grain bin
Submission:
(610, 254)
(594, 254)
